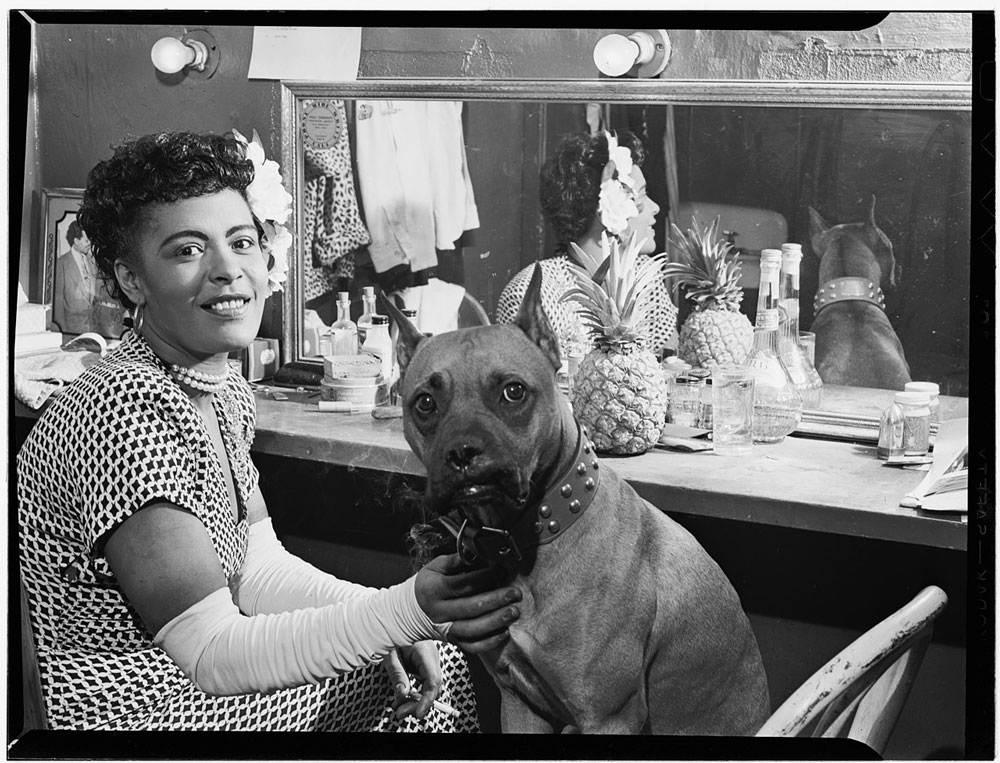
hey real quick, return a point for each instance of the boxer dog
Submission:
(627, 625)
(855, 343)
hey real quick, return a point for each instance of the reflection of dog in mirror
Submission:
(855, 343)
(627, 624)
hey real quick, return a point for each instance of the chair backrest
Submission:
(31, 685)
(860, 693)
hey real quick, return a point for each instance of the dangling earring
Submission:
(137, 318)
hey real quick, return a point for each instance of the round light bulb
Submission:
(615, 54)
(170, 55)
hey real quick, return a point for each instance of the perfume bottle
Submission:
(804, 375)
(777, 405)
(344, 331)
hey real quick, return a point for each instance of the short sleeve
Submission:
(139, 448)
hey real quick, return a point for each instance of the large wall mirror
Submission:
(772, 158)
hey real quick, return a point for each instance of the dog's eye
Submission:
(425, 404)
(514, 392)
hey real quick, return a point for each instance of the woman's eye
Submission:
(514, 392)
(189, 250)
(425, 404)
(244, 243)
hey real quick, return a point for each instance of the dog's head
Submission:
(853, 249)
(483, 412)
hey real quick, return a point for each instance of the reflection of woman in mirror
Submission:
(158, 592)
(570, 187)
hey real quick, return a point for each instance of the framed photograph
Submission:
(70, 282)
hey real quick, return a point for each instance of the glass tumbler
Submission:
(732, 410)
(807, 340)
(685, 400)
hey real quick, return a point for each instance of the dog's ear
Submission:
(533, 321)
(871, 227)
(817, 227)
(409, 335)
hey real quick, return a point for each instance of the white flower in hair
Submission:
(616, 203)
(271, 204)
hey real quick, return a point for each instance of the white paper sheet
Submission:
(952, 440)
(331, 54)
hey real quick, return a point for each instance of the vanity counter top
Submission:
(811, 484)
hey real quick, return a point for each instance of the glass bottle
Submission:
(344, 330)
(777, 405)
(793, 355)
(890, 432)
(379, 343)
(367, 311)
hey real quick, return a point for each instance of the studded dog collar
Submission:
(563, 503)
(847, 290)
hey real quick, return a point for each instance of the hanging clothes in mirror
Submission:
(414, 179)
(333, 228)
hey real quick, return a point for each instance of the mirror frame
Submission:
(787, 94)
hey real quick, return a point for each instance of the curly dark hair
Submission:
(153, 169)
(570, 181)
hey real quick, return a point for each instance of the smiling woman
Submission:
(158, 593)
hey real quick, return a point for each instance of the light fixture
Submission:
(643, 53)
(196, 51)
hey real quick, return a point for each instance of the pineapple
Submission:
(619, 392)
(716, 331)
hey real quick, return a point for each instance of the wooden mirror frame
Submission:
(786, 94)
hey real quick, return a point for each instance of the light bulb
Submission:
(170, 55)
(615, 54)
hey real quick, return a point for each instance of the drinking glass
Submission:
(732, 410)
(807, 339)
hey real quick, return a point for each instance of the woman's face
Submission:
(201, 276)
(642, 223)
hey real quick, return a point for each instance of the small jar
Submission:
(685, 400)
(890, 432)
(916, 422)
(705, 419)
(932, 391)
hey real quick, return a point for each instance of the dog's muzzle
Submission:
(564, 502)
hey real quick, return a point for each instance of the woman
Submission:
(159, 596)
(591, 186)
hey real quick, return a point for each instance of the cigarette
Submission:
(438, 705)
(342, 406)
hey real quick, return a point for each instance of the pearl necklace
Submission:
(198, 380)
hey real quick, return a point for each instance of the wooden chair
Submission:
(860, 693)
(31, 687)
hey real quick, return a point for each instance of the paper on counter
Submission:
(952, 441)
(331, 54)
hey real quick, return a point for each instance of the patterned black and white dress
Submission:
(123, 435)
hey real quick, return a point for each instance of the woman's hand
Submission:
(479, 610)
(421, 660)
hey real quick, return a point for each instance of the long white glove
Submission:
(224, 652)
(273, 580)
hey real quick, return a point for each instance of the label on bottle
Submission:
(768, 319)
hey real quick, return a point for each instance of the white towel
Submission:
(436, 304)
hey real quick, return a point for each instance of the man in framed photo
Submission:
(80, 302)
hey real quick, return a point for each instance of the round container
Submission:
(932, 391)
(916, 422)
(366, 391)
